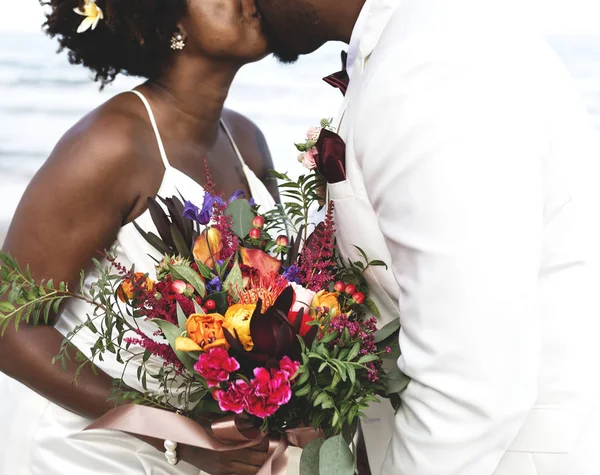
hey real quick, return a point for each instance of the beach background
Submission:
(42, 95)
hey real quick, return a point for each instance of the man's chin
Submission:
(286, 58)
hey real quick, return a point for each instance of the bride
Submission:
(152, 141)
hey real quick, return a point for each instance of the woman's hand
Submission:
(234, 462)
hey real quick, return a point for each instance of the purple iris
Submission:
(292, 274)
(237, 195)
(204, 215)
(208, 207)
(214, 286)
(190, 211)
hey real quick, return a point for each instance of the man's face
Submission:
(291, 27)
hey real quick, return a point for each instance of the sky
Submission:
(555, 16)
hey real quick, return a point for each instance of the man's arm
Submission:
(453, 171)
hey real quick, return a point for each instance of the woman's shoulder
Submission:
(104, 153)
(111, 139)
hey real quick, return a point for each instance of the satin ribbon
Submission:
(225, 436)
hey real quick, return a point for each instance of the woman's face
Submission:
(224, 29)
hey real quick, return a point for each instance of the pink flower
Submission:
(308, 158)
(289, 367)
(215, 366)
(261, 407)
(313, 133)
(234, 399)
(274, 385)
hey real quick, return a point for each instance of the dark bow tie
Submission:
(341, 78)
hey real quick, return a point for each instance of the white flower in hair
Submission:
(92, 13)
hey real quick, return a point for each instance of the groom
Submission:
(471, 169)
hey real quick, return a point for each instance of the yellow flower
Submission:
(237, 320)
(329, 300)
(126, 290)
(204, 332)
(92, 13)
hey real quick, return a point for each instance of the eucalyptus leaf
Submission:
(335, 457)
(387, 330)
(396, 381)
(309, 460)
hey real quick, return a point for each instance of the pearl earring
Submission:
(177, 42)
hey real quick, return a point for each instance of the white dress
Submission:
(38, 437)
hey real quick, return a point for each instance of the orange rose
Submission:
(125, 290)
(208, 247)
(329, 300)
(237, 320)
(206, 331)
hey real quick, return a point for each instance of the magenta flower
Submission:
(215, 366)
(271, 390)
(289, 367)
(234, 399)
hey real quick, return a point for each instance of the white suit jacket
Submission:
(472, 170)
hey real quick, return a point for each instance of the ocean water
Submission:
(42, 95)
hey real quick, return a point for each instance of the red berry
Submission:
(258, 222)
(340, 287)
(358, 297)
(282, 241)
(204, 309)
(255, 233)
(210, 305)
(350, 289)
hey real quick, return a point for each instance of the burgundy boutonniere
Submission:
(331, 156)
(324, 151)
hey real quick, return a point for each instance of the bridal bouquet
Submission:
(251, 315)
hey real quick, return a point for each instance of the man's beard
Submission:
(277, 46)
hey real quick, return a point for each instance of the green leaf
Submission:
(198, 308)
(234, 279)
(335, 457)
(6, 307)
(387, 331)
(368, 358)
(351, 374)
(321, 398)
(204, 270)
(309, 460)
(303, 391)
(242, 215)
(181, 318)
(190, 276)
(372, 307)
(378, 263)
(171, 333)
(353, 352)
(396, 381)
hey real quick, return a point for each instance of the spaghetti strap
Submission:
(161, 148)
(233, 144)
